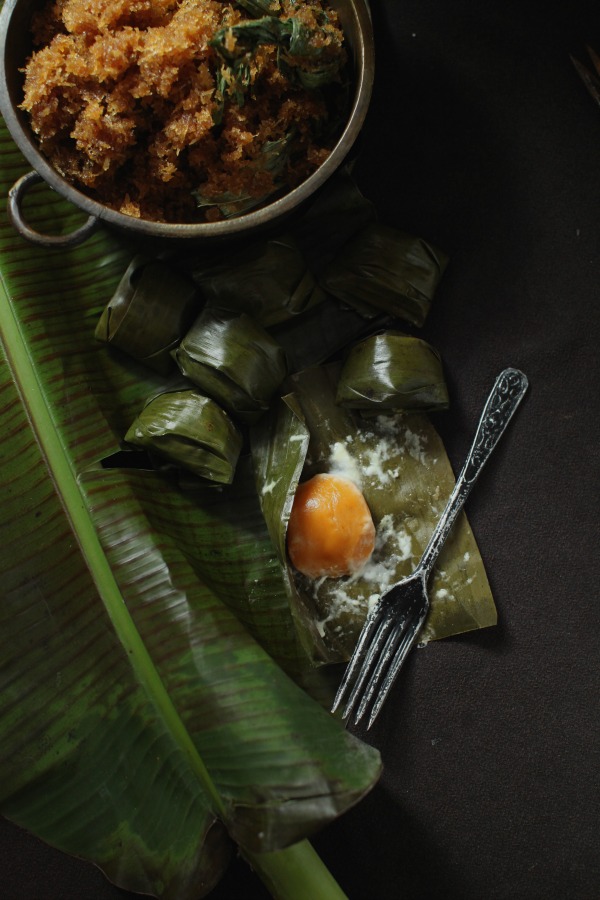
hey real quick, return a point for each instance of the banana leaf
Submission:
(233, 360)
(406, 478)
(392, 370)
(268, 279)
(149, 313)
(388, 270)
(279, 446)
(187, 429)
(129, 689)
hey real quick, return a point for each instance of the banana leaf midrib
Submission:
(76, 510)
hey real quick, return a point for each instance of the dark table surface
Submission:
(482, 140)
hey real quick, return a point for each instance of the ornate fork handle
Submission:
(504, 398)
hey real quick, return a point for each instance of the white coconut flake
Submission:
(389, 425)
(371, 602)
(270, 486)
(342, 463)
(341, 603)
(415, 445)
(376, 464)
(404, 546)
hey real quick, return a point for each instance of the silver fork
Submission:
(393, 625)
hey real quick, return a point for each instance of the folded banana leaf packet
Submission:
(234, 360)
(266, 279)
(140, 322)
(387, 270)
(393, 370)
(294, 356)
(186, 428)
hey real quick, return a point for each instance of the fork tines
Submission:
(385, 640)
(376, 632)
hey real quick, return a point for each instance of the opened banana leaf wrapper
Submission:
(400, 464)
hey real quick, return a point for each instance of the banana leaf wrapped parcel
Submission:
(268, 279)
(387, 269)
(182, 427)
(392, 370)
(337, 249)
(151, 309)
(335, 276)
(233, 360)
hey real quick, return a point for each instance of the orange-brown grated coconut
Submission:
(162, 109)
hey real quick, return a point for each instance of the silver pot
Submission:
(15, 47)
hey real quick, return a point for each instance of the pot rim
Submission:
(363, 50)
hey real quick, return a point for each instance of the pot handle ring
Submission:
(15, 197)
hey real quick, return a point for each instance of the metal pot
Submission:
(15, 48)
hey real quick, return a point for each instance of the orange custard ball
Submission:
(330, 531)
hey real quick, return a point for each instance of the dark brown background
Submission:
(482, 140)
